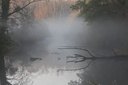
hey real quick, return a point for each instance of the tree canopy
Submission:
(98, 9)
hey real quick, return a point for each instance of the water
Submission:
(56, 58)
(74, 33)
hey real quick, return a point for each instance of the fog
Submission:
(36, 50)
(105, 38)
(42, 39)
(104, 34)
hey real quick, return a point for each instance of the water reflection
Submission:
(52, 78)
(106, 72)
(56, 58)
(44, 64)
(40, 61)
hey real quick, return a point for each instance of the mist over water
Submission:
(103, 38)
(43, 40)
(59, 29)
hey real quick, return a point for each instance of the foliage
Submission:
(7, 46)
(8, 8)
(82, 81)
(98, 9)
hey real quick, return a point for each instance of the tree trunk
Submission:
(5, 9)
(2, 71)
(3, 30)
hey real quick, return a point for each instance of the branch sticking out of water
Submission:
(84, 58)
(76, 69)
(78, 48)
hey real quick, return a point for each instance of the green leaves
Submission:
(97, 9)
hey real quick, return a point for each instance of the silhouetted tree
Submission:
(5, 40)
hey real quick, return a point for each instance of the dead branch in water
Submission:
(80, 58)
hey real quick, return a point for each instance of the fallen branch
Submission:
(76, 69)
(80, 58)
(70, 47)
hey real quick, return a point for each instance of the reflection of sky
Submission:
(52, 79)
(58, 31)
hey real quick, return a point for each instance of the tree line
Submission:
(100, 9)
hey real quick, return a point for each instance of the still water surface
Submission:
(72, 33)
